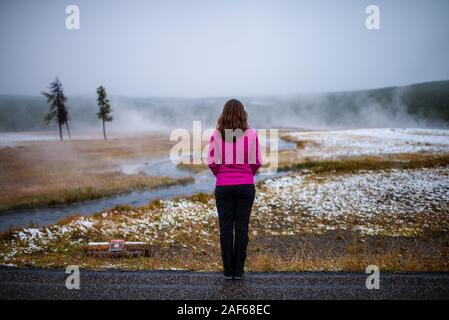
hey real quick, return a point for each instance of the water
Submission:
(11, 139)
(204, 182)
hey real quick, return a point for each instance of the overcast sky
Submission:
(221, 47)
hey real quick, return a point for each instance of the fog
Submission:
(302, 64)
(201, 48)
(367, 109)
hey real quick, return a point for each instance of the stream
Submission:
(204, 182)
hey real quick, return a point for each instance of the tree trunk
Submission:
(60, 132)
(104, 131)
(68, 131)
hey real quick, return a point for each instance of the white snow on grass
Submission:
(391, 202)
(293, 203)
(170, 221)
(366, 193)
(360, 142)
(30, 240)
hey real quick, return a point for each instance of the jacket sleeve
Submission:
(255, 166)
(213, 166)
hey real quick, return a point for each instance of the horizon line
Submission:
(236, 95)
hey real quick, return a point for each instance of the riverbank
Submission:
(44, 173)
(397, 219)
(332, 211)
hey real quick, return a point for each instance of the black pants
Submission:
(234, 205)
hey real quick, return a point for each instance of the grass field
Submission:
(299, 222)
(51, 172)
(389, 209)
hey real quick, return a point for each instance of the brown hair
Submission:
(233, 117)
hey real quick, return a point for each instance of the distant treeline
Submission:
(396, 106)
(26, 113)
(429, 100)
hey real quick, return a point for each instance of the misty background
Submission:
(308, 64)
(420, 105)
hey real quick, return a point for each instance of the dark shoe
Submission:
(228, 277)
(238, 277)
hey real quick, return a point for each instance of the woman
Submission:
(234, 158)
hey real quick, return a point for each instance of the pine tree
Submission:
(58, 108)
(104, 112)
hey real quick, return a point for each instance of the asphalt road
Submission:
(115, 284)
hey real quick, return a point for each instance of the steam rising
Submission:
(417, 106)
(320, 111)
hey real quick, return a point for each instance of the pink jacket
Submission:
(237, 162)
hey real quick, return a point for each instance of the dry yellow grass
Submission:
(307, 252)
(52, 172)
(90, 164)
(292, 161)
